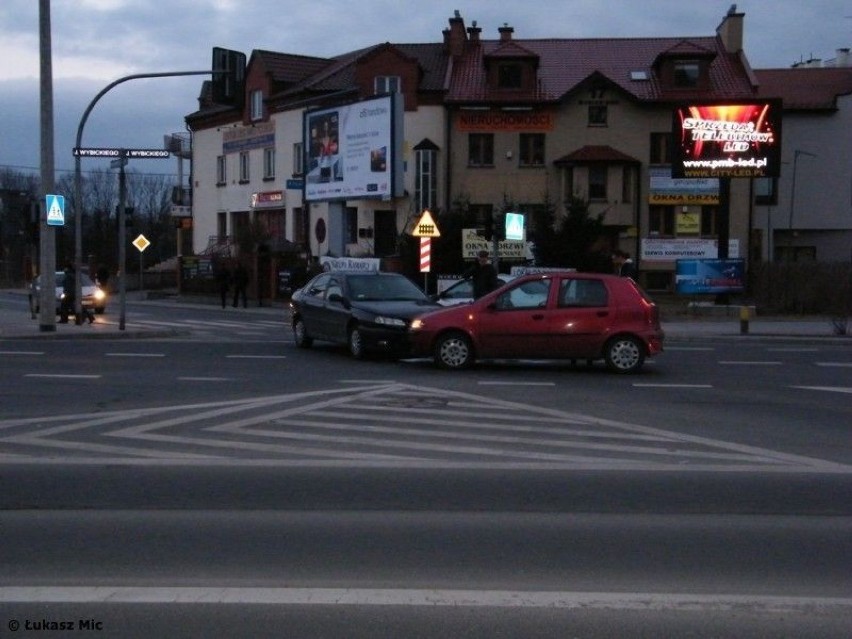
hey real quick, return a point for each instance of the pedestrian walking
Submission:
(623, 264)
(69, 298)
(223, 281)
(241, 279)
(483, 275)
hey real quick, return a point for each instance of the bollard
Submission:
(744, 317)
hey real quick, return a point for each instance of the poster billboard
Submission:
(741, 139)
(710, 276)
(354, 151)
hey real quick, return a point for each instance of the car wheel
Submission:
(624, 354)
(300, 334)
(356, 343)
(454, 351)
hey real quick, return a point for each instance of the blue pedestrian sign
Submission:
(515, 226)
(55, 205)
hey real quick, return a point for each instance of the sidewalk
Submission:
(16, 322)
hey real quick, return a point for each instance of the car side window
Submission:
(319, 285)
(582, 293)
(334, 287)
(527, 295)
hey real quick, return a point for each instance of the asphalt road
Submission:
(225, 483)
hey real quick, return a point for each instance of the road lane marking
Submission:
(134, 354)
(835, 364)
(62, 375)
(830, 389)
(748, 363)
(516, 383)
(255, 357)
(426, 597)
(649, 385)
(21, 352)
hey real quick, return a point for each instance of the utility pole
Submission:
(47, 241)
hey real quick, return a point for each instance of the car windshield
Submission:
(85, 280)
(383, 287)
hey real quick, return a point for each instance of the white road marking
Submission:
(516, 383)
(647, 385)
(21, 352)
(134, 354)
(748, 363)
(62, 375)
(830, 389)
(835, 364)
(642, 601)
(255, 357)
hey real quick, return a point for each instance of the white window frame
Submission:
(256, 104)
(387, 84)
(245, 167)
(269, 163)
(426, 179)
(221, 169)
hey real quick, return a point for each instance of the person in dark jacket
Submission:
(483, 275)
(66, 306)
(623, 264)
(223, 281)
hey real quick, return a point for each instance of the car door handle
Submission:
(538, 316)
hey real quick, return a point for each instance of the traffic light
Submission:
(229, 76)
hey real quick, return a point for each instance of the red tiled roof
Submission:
(596, 153)
(805, 88)
(565, 64)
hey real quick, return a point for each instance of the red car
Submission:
(557, 315)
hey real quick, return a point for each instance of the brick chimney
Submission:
(506, 33)
(454, 37)
(731, 30)
(473, 33)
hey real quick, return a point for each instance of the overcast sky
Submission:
(95, 42)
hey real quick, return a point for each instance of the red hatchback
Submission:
(557, 315)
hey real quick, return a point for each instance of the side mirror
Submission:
(339, 299)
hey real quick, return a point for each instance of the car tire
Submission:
(454, 351)
(300, 334)
(356, 343)
(624, 354)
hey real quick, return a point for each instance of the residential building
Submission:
(488, 121)
(806, 214)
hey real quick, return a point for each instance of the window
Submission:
(661, 220)
(387, 84)
(269, 163)
(298, 159)
(627, 175)
(256, 104)
(582, 293)
(597, 181)
(244, 167)
(532, 294)
(661, 148)
(221, 175)
(532, 149)
(221, 227)
(686, 73)
(766, 191)
(300, 227)
(510, 75)
(709, 215)
(351, 217)
(480, 149)
(597, 115)
(425, 179)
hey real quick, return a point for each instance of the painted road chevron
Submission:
(380, 424)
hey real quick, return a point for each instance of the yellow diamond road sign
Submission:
(426, 226)
(141, 242)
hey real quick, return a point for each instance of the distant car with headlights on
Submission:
(557, 315)
(94, 297)
(369, 312)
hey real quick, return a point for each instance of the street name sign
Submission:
(131, 154)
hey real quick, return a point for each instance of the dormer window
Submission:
(256, 104)
(387, 84)
(510, 75)
(687, 73)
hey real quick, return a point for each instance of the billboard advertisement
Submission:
(710, 276)
(354, 151)
(727, 140)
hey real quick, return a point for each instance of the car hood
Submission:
(404, 309)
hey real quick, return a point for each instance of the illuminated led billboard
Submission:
(727, 140)
(354, 151)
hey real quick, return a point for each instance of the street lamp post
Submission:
(796, 155)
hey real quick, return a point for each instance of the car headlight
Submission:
(99, 295)
(389, 321)
(417, 324)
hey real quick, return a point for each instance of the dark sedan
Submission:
(369, 312)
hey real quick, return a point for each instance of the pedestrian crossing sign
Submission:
(515, 226)
(55, 205)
